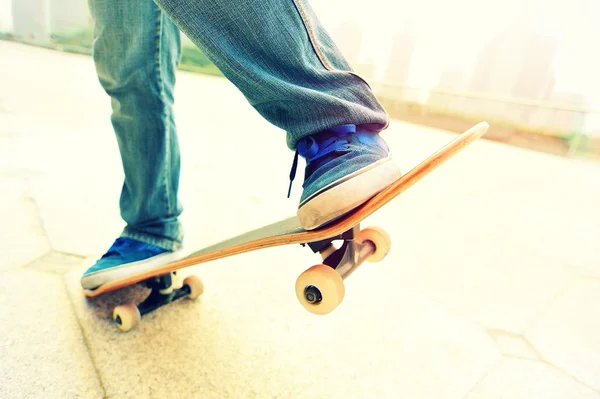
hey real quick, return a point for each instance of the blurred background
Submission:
(524, 65)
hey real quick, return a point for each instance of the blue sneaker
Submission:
(124, 258)
(345, 166)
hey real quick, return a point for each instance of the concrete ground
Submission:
(491, 289)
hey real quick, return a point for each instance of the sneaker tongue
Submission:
(324, 144)
(344, 129)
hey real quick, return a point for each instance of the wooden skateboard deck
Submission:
(289, 231)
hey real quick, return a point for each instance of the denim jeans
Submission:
(275, 52)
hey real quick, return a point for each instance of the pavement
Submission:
(491, 288)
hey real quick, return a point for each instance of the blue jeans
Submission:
(275, 52)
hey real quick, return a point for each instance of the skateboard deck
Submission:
(289, 231)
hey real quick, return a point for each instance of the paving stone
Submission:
(491, 281)
(55, 262)
(22, 237)
(79, 221)
(568, 333)
(525, 379)
(512, 345)
(248, 337)
(42, 350)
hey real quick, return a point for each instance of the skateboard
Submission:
(320, 289)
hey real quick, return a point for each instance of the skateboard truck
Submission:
(349, 256)
(163, 291)
(344, 259)
(321, 288)
(321, 245)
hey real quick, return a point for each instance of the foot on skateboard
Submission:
(126, 257)
(345, 166)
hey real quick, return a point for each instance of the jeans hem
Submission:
(164, 243)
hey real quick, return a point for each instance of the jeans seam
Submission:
(315, 45)
(160, 18)
(311, 36)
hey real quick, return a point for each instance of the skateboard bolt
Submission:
(312, 294)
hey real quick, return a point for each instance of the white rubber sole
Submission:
(96, 279)
(342, 196)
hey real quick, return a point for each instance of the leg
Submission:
(136, 50)
(284, 62)
(281, 58)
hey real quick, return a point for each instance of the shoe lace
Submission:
(317, 151)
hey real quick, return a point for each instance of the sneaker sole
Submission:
(94, 280)
(341, 196)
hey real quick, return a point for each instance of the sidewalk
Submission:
(491, 289)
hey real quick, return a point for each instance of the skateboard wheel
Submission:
(126, 316)
(196, 286)
(379, 238)
(320, 289)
